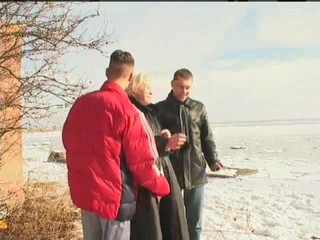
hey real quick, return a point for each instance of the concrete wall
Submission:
(11, 166)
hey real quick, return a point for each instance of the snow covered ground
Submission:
(281, 201)
(36, 150)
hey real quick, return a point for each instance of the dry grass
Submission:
(44, 215)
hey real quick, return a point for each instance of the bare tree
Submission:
(43, 33)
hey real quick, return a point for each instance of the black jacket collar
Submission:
(173, 100)
(141, 107)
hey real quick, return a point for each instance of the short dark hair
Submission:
(121, 57)
(182, 73)
(119, 63)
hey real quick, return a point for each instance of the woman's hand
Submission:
(165, 133)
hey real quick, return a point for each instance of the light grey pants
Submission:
(96, 228)
(193, 201)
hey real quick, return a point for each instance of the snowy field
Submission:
(281, 201)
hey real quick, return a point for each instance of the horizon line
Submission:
(268, 120)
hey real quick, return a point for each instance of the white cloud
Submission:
(221, 64)
(263, 90)
(183, 35)
(291, 25)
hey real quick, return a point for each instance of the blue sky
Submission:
(251, 61)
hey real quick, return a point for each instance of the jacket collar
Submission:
(109, 85)
(173, 100)
(141, 107)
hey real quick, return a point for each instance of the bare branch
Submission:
(39, 34)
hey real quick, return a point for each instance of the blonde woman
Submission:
(154, 219)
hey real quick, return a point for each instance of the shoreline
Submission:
(225, 124)
(40, 130)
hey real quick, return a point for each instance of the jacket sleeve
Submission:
(139, 158)
(207, 143)
(161, 143)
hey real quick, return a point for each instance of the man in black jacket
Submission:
(181, 114)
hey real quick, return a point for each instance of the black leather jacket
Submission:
(190, 118)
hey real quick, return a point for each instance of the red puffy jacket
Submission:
(107, 149)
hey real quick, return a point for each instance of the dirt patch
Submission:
(246, 171)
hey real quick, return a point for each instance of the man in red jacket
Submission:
(108, 153)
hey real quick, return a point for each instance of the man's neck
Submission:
(175, 99)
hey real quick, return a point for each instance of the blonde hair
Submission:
(138, 81)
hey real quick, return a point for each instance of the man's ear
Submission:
(107, 72)
(172, 82)
(130, 77)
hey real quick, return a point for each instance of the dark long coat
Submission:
(164, 221)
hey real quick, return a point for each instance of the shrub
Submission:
(44, 215)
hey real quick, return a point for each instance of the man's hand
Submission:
(216, 167)
(176, 141)
(165, 133)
